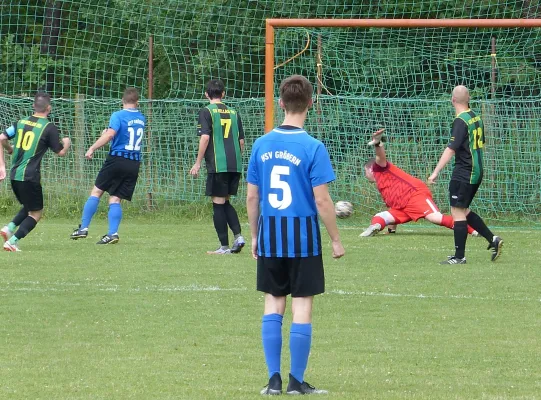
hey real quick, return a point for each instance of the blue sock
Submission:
(114, 216)
(90, 208)
(271, 333)
(300, 340)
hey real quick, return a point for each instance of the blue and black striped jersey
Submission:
(286, 164)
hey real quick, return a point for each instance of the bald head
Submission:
(461, 95)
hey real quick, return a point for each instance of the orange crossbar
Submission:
(272, 23)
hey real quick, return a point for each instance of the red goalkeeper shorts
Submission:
(419, 206)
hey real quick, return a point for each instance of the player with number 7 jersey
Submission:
(119, 173)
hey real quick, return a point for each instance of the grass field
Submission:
(154, 317)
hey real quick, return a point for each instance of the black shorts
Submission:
(299, 276)
(461, 194)
(222, 184)
(29, 194)
(118, 177)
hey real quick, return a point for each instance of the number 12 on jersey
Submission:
(135, 139)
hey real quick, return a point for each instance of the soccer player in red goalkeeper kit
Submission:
(408, 198)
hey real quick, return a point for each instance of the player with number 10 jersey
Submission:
(119, 173)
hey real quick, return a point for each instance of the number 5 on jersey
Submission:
(277, 183)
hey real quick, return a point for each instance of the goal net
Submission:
(401, 79)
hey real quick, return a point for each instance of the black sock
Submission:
(477, 223)
(220, 223)
(461, 234)
(232, 218)
(26, 227)
(19, 218)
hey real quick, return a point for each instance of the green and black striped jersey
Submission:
(467, 140)
(224, 126)
(32, 137)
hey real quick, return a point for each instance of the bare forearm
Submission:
(102, 141)
(252, 208)
(444, 159)
(381, 157)
(325, 208)
(203, 144)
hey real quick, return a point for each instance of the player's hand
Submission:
(2, 173)
(89, 154)
(337, 249)
(432, 178)
(254, 248)
(66, 142)
(376, 137)
(195, 169)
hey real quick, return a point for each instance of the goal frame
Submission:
(272, 23)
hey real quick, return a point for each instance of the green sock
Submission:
(13, 240)
(12, 227)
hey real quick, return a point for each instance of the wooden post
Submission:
(79, 136)
(150, 201)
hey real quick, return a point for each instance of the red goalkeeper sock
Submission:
(448, 222)
(378, 220)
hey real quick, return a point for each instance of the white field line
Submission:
(33, 286)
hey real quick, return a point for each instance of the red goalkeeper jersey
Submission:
(396, 186)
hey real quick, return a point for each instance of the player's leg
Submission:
(459, 199)
(273, 280)
(31, 195)
(8, 230)
(231, 214)
(495, 243)
(89, 210)
(307, 281)
(125, 173)
(217, 188)
(425, 206)
(378, 222)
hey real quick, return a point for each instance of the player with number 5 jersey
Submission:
(288, 174)
(119, 173)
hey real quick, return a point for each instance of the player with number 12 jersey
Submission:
(119, 173)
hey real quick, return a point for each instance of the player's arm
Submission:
(106, 136)
(60, 148)
(252, 208)
(241, 133)
(5, 137)
(204, 130)
(458, 135)
(381, 157)
(325, 208)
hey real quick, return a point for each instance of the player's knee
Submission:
(386, 216)
(218, 200)
(434, 217)
(96, 192)
(114, 200)
(36, 214)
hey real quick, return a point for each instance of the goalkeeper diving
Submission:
(408, 198)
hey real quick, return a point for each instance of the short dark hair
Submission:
(42, 100)
(370, 163)
(215, 89)
(130, 96)
(296, 93)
